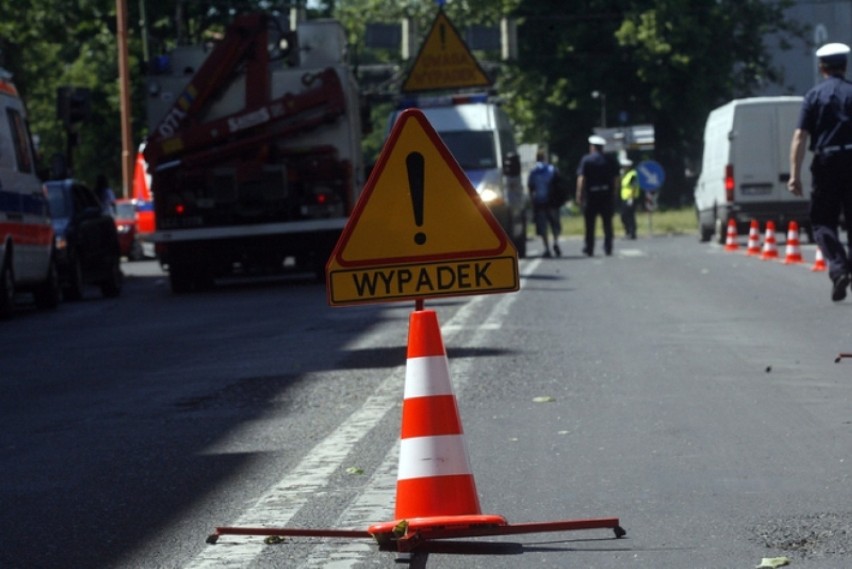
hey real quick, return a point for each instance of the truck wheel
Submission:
(521, 241)
(49, 293)
(136, 252)
(7, 290)
(180, 279)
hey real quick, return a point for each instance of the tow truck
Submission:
(256, 161)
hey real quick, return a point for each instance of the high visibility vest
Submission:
(630, 186)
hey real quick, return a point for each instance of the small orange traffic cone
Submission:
(819, 261)
(770, 248)
(793, 253)
(731, 239)
(753, 247)
(435, 485)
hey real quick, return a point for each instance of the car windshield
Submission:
(125, 210)
(60, 205)
(473, 150)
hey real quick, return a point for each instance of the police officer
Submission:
(597, 180)
(629, 197)
(826, 118)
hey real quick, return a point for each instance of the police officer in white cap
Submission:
(826, 119)
(597, 180)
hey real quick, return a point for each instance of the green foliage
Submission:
(666, 62)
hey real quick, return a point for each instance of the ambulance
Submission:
(27, 262)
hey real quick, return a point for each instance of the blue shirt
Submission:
(539, 182)
(827, 113)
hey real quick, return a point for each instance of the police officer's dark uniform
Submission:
(826, 117)
(597, 179)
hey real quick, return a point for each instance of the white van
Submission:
(26, 233)
(746, 166)
(481, 138)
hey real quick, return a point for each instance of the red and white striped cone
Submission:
(753, 247)
(770, 247)
(731, 238)
(793, 252)
(435, 485)
(819, 261)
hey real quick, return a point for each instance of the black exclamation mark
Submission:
(414, 164)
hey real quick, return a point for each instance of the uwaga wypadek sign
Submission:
(419, 229)
(444, 62)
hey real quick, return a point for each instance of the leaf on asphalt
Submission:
(354, 470)
(544, 399)
(273, 540)
(773, 562)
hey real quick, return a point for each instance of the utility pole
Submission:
(124, 90)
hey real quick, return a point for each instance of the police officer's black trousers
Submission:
(604, 207)
(832, 194)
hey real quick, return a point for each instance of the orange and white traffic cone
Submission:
(793, 252)
(435, 485)
(770, 247)
(731, 238)
(753, 247)
(819, 261)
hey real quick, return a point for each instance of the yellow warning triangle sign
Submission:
(444, 62)
(419, 229)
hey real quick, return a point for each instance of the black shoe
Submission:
(546, 254)
(557, 251)
(586, 252)
(838, 291)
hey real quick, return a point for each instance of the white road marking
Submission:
(310, 477)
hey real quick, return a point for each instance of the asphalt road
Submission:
(691, 392)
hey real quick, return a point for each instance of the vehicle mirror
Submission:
(511, 164)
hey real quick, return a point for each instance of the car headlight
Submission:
(490, 195)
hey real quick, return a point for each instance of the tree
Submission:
(668, 62)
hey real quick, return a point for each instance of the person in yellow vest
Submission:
(629, 197)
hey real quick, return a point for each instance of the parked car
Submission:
(127, 227)
(87, 250)
(27, 260)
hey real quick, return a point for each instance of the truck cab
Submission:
(480, 136)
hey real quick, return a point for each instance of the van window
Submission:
(21, 140)
(473, 150)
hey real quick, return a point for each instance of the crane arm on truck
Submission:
(207, 142)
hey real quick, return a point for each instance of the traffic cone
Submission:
(753, 247)
(770, 248)
(819, 261)
(793, 253)
(435, 485)
(731, 239)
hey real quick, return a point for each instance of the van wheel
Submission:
(7, 290)
(73, 290)
(111, 286)
(49, 293)
(721, 231)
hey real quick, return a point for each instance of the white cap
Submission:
(626, 162)
(597, 140)
(833, 52)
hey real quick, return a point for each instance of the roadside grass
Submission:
(681, 221)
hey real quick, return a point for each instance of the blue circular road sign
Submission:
(651, 175)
